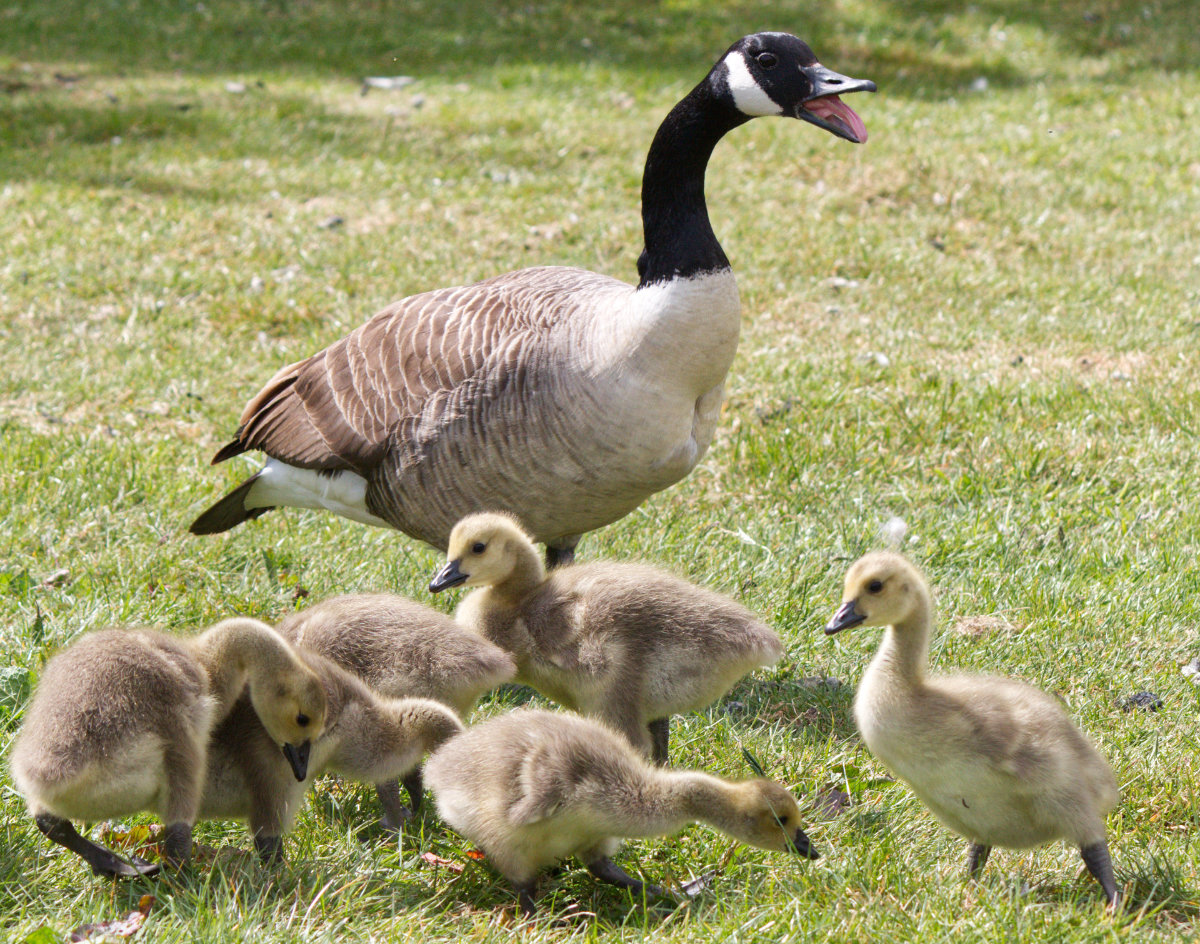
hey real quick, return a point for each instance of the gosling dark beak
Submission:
(844, 618)
(802, 845)
(449, 576)
(825, 110)
(297, 756)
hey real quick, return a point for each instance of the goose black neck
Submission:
(680, 241)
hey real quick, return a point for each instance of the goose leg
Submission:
(103, 861)
(608, 871)
(414, 783)
(660, 733)
(1099, 863)
(977, 856)
(269, 848)
(525, 896)
(395, 814)
(561, 552)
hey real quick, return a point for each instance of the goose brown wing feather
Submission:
(345, 407)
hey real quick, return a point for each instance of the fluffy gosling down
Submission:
(120, 723)
(533, 787)
(368, 738)
(626, 643)
(401, 649)
(997, 761)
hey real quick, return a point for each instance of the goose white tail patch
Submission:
(343, 493)
(748, 96)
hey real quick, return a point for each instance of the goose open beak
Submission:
(802, 845)
(449, 576)
(844, 618)
(297, 756)
(825, 110)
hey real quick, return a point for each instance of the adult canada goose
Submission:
(121, 720)
(627, 643)
(533, 787)
(995, 760)
(368, 738)
(560, 395)
(401, 649)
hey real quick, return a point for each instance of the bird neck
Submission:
(526, 575)
(904, 652)
(702, 797)
(236, 651)
(680, 241)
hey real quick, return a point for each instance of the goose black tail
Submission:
(229, 512)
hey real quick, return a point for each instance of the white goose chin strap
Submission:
(748, 96)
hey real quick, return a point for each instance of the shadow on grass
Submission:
(815, 707)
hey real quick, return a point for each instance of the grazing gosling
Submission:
(533, 787)
(368, 737)
(995, 760)
(120, 723)
(626, 643)
(401, 649)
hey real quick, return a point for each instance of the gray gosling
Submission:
(627, 643)
(997, 761)
(401, 649)
(120, 723)
(533, 787)
(368, 738)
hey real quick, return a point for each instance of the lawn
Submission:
(983, 321)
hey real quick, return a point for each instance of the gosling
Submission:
(626, 643)
(120, 723)
(997, 761)
(368, 738)
(533, 787)
(401, 649)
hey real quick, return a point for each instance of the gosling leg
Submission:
(103, 861)
(526, 900)
(562, 552)
(608, 871)
(660, 734)
(395, 814)
(177, 843)
(414, 783)
(977, 856)
(269, 848)
(1099, 863)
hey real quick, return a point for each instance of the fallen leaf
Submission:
(830, 801)
(127, 926)
(476, 854)
(700, 884)
(437, 860)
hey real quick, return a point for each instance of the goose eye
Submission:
(302, 720)
(768, 60)
(478, 547)
(874, 586)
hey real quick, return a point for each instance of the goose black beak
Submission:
(449, 576)
(844, 618)
(802, 845)
(297, 757)
(825, 110)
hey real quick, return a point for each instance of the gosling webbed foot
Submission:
(102, 861)
(977, 856)
(395, 813)
(1099, 863)
(608, 871)
(660, 735)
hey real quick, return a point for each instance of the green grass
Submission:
(1017, 240)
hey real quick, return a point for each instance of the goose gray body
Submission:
(121, 721)
(627, 643)
(533, 787)
(996, 760)
(368, 738)
(560, 395)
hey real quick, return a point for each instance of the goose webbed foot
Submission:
(660, 735)
(608, 871)
(1099, 863)
(103, 861)
(977, 856)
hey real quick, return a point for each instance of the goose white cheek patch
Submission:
(748, 96)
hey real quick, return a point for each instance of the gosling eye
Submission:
(302, 720)
(874, 586)
(478, 547)
(783, 820)
(768, 60)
